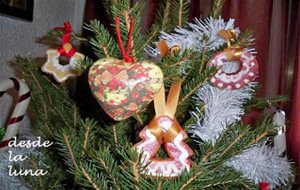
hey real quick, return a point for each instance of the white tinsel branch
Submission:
(197, 34)
(262, 164)
(223, 107)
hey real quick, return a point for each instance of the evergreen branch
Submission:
(159, 25)
(166, 14)
(50, 82)
(36, 81)
(107, 163)
(86, 138)
(191, 92)
(217, 8)
(139, 119)
(188, 182)
(261, 103)
(86, 175)
(150, 38)
(68, 146)
(54, 34)
(198, 171)
(180, 12)
(159, 186)
(115, 134)
(178, 18)
(135, 174)
(109, 173)
(233, 143)
(62, 117)
(182, 60)
(75, 116)
(103, 44)
(46, 116)
(35, 167)
(261, 136)
(220, 183)
(206, 156)
(203, 58)
(105, 51)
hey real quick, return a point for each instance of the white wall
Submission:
(19, 38)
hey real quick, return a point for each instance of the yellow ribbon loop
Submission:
(161, 136)
(163, 109)
(231, 52)
(163, 48)
(234, 54)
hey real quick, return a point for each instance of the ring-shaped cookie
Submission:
(247, 72)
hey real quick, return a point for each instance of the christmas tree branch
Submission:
(135, 173)
(103, 44)
(36, 81)
(191, 92)
(109, 172)
(115, 134)
(35, 167)
(86, 175)
(166, 14)
(189, 181)
(70, 151)
(203, 58)
(236, 140)
(180, 13)
(85, 141)
(160, 23)
(217, 8)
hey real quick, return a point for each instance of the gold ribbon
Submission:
(231, 52)
(163, 48)
(166, 109)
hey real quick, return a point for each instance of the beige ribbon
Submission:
(166, 109)
(231, 52)
(163, 48)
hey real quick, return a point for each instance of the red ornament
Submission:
(123, 88)
(264, 186)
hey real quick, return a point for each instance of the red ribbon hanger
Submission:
(125, 53)
(66, 49)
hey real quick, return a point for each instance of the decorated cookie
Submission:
(233, 73)
(66, 50)
(123, 88)
(62, 72)
(165, 130)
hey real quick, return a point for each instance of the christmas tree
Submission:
(200, 74)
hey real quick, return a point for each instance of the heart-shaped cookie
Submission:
(123, 88)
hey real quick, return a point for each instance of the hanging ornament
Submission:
(164, 130)
(52, 66)
(280, 139)
(237, 67)
(123, 87)
(19, 111)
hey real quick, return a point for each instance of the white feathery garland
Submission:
(262, 164)
(223, 107)
(199, 34)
